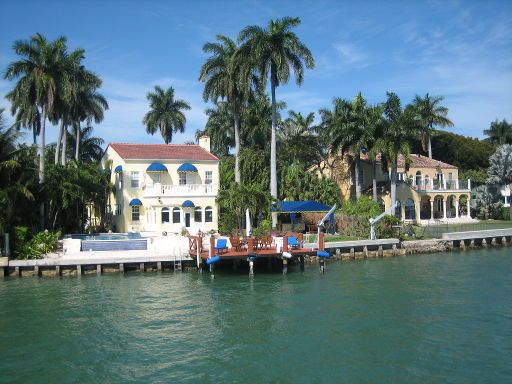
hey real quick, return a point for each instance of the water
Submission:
(107, 236)
(443, 318)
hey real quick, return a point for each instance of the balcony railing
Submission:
(157, 190)
(444, 185)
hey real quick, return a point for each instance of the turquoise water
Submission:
(443, 318)
(107, 236)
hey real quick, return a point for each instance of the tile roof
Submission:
(418, 161)
(162, 151)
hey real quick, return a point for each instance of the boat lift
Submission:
(373, 221)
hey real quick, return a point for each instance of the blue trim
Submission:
(118, 169)
(188, 204)
(156, 167)
(135, 202)
(187, 167)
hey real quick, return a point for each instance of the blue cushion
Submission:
(293, 241)
(221, 243)
(322, 254)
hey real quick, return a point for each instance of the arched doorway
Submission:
(410, 211)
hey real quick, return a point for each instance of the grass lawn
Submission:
(330, 238)
(436, 231)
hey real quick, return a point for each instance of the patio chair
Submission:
(221, 246)
(236, 244)
(265, 242)
(293, 242)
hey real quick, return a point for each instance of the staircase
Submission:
(177, 263)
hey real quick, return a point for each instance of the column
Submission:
(402, 212)
(469, 208)
(431, 208)
(457, 207)
(444, 208)
(417, 209)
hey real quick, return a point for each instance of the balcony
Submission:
(444, 185)
(162, 190)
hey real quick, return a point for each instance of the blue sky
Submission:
(461, 50)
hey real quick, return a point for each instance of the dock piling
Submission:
(159, 266)
(365, 252)
(121, 267)
(79, 270)
(285, 266)
(141, 267)
(36, 270)
(57, 270)
(98, 269)
(321, 261)
(352, 253)
(251, 268)
(301, 261)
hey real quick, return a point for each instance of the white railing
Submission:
(444, 185)
(180, 190)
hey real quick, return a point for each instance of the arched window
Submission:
(176, 215)
(198, 214)
(410, 213)
(418, 179)
(410, 180)
(398, 209)
(208, 214)
(427, 182)
(165, 215)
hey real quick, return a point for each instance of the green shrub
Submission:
(364, 207)
(385, 227)
(36, 247)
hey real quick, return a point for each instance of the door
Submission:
(187, 219)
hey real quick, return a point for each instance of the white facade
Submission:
(154, 201)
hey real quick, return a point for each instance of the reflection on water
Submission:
(435, 318)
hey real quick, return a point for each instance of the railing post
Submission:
(469, 184)
(457, 184)
(444, 184)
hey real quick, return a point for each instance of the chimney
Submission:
(204, 142)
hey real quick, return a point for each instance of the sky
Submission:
(461, 50)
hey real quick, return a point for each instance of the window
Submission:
(400, 176)
(386, 176)
(450, 176)
(119, 180)
(156, 177)
(208, 177)
(118, 209)
(135, 179)
(427, 181)
(418, 178)
(135, 213)
(410, 212)
(361, 175)
(208, 215)
(398, 209)
(198, 214)
(507, 200)
(183, 179)
(176, 215)
(165, 215)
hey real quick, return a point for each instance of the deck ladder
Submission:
(177, 261)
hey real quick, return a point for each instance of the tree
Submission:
(227, 78)
(219, 127)
(90, 147)
(38, 73)
(166, 113)
(13, 183)
(500, 132)
(273, 51)
(500, 167)
(400, 126)
(432, 114)
(297, 125)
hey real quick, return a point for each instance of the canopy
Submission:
(135, 202)
(187, 167)
(187, 204)
(300, 206)
(156, 167)
(118, 169)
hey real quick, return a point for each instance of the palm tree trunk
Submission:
(356, 177)
(42, 163)
(393, 183)
(374, 181)
(77, 137)
(429, 147)
(273, 154)
(59, 139)
(34, 135)
(237, 146)
(64, 143)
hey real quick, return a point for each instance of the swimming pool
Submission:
(106, 236)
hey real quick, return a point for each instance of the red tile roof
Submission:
(162, 151)
(418, 161)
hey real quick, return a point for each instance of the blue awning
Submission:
(188, 204)
(156, 167)
(300, 206)
(135, 202)
(118, 169)
(187, 167)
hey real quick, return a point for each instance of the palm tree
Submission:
(432, 114)
(90, 147)
(500, 132)
(219, 127)
(374, 115)
(88, 105)
(400, 127)
(297, 125)
(273, 51)
(226, 78)
(27, 113)
(38, 73)
(165, 114)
